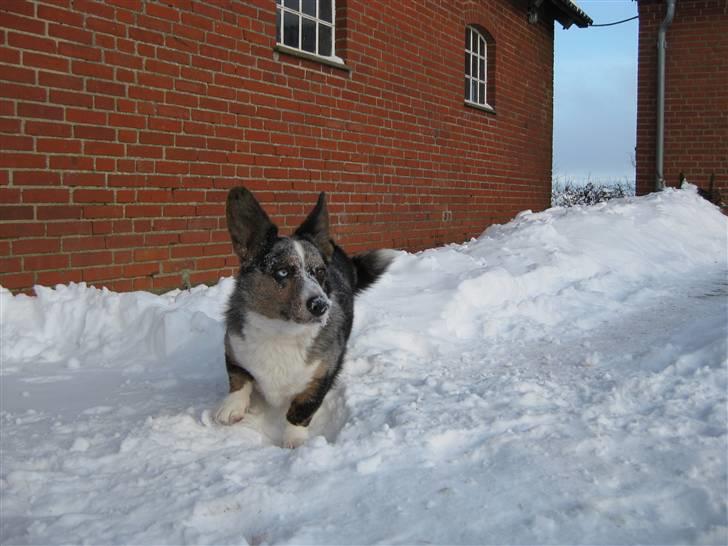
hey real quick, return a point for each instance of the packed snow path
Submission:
(562, 379)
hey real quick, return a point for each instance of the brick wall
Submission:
(696, 96)
(124, 122)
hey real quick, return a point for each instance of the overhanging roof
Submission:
(569, 13)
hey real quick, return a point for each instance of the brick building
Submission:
(124, 122)
(696, 95)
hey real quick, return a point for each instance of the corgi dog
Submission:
(290, 314)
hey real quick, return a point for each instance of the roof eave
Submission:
(568, 13)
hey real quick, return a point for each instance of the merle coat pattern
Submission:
(290, 314)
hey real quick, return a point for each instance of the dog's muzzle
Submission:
(317, 306)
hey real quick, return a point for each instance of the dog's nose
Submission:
(317, 306)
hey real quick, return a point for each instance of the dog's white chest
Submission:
(274, 352)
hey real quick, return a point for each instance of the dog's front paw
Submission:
(294, 436)
(233, 408)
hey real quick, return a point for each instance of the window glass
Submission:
(325, 11)
(308, 35)
(291, 22)
(309, 7)
(306, 25)
(325, 44)
(476, 67)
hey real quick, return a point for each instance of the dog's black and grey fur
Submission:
(290, 314)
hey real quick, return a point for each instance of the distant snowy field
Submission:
(561, 379)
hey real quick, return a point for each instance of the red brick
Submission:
(15, 281)
(22, 7)
(20, 143)
(151, 254)
(44, 128)
(46, 195)
(16, 74)
(26, 24)
(46, 261)
(103, 211)
(84, 116)
(47, 62)
(55, 229)
(92, 132)
(94, 70)
(71, 99)
(83, 179)
(71, 162)
(36, 178)
(25, 92)
(93, 196)
(16, 212)
(58, 212)
(76, 244)
(60, 15)
(9, 196)
(103, 148)
(96, 274)
(53, 278)
(25, 41)
(62, 81)
(143, 211)
(10, 265)
(85, 259)
(36, 246)
(140, 270)
(71, 34)
(79, 51)
(58, 146)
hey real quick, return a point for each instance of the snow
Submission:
(560, 380)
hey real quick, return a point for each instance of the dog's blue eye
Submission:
(280, 274)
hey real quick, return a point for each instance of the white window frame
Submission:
(282, 7)
(476, 81)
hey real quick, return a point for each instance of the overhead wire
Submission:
(615, 22)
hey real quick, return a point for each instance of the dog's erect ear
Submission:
(316, 227)
(249, 226)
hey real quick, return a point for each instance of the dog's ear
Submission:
(249, 226)
(316, 227)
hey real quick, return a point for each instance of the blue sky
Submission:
(595, 95)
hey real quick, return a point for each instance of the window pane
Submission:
(290, 29)
(278, 25)
(473, 91)
(309, 7)
(481, 74)
(308, 35)
(467, 64)
(293, 4)
(324, 40)
(467, 38)
(467, 89)
(474, 66)
(481, 93)
(325, 10)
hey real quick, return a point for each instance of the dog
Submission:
(290, 314)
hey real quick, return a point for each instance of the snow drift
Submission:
(560, 379)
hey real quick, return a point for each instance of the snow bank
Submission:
(560, 379)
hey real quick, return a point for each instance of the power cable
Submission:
(615, 23)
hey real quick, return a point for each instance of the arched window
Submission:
(478, 65)
(306, 25)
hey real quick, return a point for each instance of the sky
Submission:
(595, 96)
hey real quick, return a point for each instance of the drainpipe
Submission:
(661, 46)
